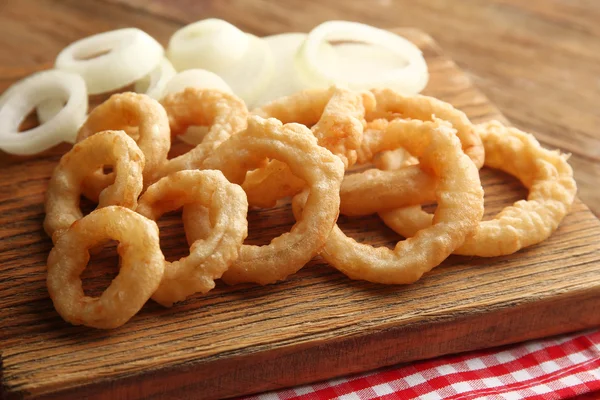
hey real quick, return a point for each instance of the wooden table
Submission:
(538, 60)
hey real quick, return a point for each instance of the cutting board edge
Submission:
(121, 386)
(203, 376)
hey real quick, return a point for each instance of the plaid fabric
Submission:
(556, 368)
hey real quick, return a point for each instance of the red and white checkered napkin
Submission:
(557, 368)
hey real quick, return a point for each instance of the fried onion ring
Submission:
(546, 174)
(141, 268)
(295, 145)
(337, 119)
(393, 159)
(210, 255)
(225, 113)
(358, 193)
(374, 190)
(64, 189)
(141, 116)
(392, 105)
(460, 207)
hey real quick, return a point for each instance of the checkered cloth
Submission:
(556, 368)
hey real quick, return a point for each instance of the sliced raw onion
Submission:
(47, 109)
(210, 44)
(155, 82)
(123, 57)
(244, 61)
(285, 80)
(25, 95)
(198, 78)
(201, 79)
(408, 75)
(250, 76)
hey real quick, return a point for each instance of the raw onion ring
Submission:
(156, 81)
(210, 255)
(211, 44)
(286, 79)
(244, 61)
(410, 79)
(22, 97)
(141, 268)
(126, 55)
(196, 78)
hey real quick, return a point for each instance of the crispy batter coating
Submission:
(65, 187)
(337, 119)
(141, 267)
(460, 207)
(374, 190)
(225, 113)
(392, 105)
(296, 146)
(546, 174)
(359, 191)
(211, 254)
(144, 119)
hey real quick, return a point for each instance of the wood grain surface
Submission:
(315, 325)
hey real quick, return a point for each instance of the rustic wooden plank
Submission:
(315, 325)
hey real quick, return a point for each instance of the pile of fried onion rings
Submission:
(300, 147)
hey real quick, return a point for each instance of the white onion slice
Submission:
(201, 79)
(155, 82)
(47, 109)
(210, 44)
(129, 55)
(152, 84)
(250, 76)
(285, 80)
(242, 60)
(197, 78)
(25, 95)
(409, 78)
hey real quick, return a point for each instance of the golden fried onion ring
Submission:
(374, 190)
(64, 189)
(546, 174)
(295, 145)
(359, 192)
(394, 159)
(392, 105)
(337, 118)
(225, 113)
(140, 116)
(210, 256)
(141, 267)
(460, 207)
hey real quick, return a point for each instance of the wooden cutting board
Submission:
(318, 324)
